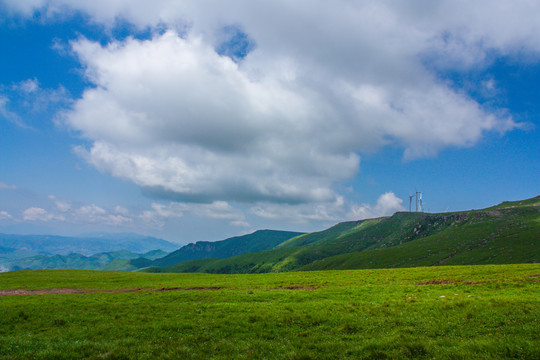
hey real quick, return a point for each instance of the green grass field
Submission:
(480, 312)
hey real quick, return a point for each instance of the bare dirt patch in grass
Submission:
(447, 282)
(192, 288)
(15, 292)
(12, 292)
(436, 282)
(297, 287)
(477, 282)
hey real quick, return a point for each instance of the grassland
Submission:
(450, 312)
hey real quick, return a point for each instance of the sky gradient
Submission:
(200, 120)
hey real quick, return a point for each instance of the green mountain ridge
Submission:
(257, 241)
(503, 234)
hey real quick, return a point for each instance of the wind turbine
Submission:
(417, 201)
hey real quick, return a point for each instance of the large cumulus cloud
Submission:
(323, 82)
(179, 119)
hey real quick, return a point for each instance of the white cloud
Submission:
(152, 219)
(339, 210)
(4, 215)
(121, 210)
(161, 213)
(387, 204)
(168, 211)
(300, 213)
(219, 210)
(27, 86)
(39, 214)
(24, 101)
(61, 205)
(10, 116)
(61, 210)
(36, 99)
(90, 211)
(187, 124)
(241, 223)
(27, 7)
(282, 126)
(117, 220)
(208, 132)
(461, 30)
(95, 214)
(7, 186)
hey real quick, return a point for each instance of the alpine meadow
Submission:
(451, 312)
(271, 179)
(443, 312)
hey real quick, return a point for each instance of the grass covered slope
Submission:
(535, 201)
(320, 236)
(258, 262)
(257, 241)
(465, 312)
(505, 234)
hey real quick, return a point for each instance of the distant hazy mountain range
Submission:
(505, 234)
(78, 261)
(63, 250)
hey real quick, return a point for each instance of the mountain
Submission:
(503, 234)
(8, 254)
(78, 261)
(64, 245)
(257, 241)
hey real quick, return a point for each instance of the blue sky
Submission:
(199, 121)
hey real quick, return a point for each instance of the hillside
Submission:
(258, 241)
(504, 234)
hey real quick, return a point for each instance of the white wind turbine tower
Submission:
(417, 201)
